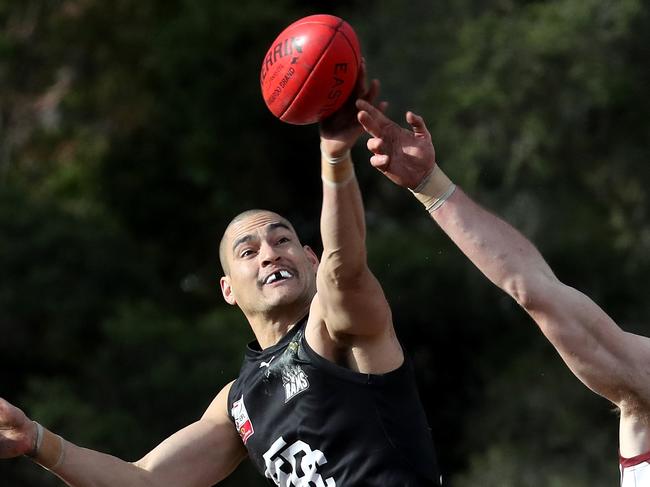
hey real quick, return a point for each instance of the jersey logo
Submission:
(242, 421)
(299, 460)
(294, 381)
(267, 364)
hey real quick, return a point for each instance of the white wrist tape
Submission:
(48, 450)
(61, 454)
(338, 184)
(38, 441)
(335, 160)
(434, 189)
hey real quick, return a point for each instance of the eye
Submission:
(246, 253)
(282, 240)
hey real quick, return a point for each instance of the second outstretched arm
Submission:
(611, 362)
(199, 455)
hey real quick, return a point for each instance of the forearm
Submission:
(342, 221)
(497, 249)
(82, 467)
(588, 340)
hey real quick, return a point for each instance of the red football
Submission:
(310, 69)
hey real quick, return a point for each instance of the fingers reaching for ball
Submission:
(375, 145)
(372, 118)
(403, 155)
(380, 159)
(417, 124)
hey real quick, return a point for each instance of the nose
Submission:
(268, 254)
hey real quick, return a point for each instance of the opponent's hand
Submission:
(17, 432)
(403, 156)
(341, 130)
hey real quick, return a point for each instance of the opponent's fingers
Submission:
(375, 145)
(380, 161)
(5, 413)
(10, 415)
(417, 123)
(371, 118)
(368, 123)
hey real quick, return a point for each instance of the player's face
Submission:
(268, 267)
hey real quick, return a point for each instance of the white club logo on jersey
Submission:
(294, 380)
(300, 459)
(242, 421)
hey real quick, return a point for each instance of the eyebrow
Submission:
(249, 237)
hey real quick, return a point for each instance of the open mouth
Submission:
(281, 275)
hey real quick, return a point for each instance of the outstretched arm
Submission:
(608, 360)
(349, 298)
(201, 454)
(611, 362)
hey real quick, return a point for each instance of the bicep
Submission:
(357, 307)
(605, 358)
(200, 454)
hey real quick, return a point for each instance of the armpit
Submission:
(632, 405)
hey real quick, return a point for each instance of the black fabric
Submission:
(309, 422)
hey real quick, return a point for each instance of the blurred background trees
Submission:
(132, 131)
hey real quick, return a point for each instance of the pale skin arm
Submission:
(609, 361)
(349, 300)
(199, 455)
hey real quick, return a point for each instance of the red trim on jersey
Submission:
(632, 461)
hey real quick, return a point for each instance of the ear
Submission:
(311, 256)
(226, 290)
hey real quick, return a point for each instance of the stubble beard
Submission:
(292, 302)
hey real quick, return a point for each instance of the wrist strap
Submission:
(336, 184)
(337, 171)
(334, 160)
(38, 441)
(49, 449)
(434, 189)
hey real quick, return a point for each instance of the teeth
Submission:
(283, 274)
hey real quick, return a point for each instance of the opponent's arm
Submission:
(611, 362)
(599, 353)
(201, 454)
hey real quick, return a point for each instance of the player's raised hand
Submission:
(17, 432)
(341, 130)
(405, 156)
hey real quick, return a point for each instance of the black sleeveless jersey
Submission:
(307, 422)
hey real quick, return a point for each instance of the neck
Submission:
(269, 328)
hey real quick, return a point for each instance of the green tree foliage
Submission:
(132, 131)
